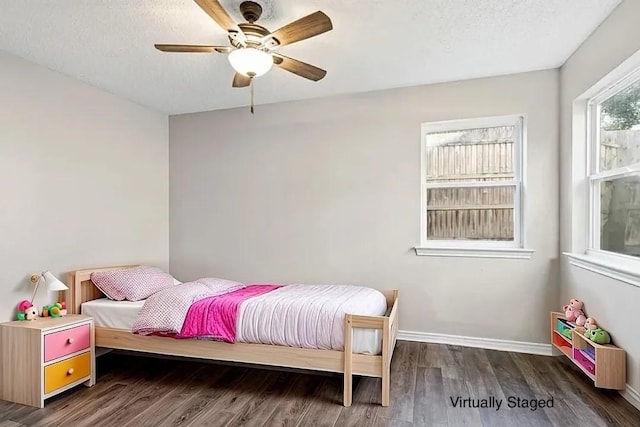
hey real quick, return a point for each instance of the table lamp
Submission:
(53, 284)
(27, 311)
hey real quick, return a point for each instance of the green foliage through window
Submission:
(622, 111)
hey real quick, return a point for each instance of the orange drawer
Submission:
(62, 373)
(66, 342)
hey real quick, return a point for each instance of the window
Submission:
(614, 171)
(605, 138)
(472, 188)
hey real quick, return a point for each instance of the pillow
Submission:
(131, 284)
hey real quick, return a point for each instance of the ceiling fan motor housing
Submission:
(254, 35)
(251, 11)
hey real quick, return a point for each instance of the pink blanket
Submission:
(215, 317)
(164, 311)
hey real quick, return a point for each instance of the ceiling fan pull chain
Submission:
(251, 84)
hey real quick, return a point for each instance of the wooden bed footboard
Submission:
(389, 326)
(81, 290)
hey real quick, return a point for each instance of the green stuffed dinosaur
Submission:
(598, 335)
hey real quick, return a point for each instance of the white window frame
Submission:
(585, 249)
(477, 248)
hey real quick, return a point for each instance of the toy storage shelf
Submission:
(604, 364)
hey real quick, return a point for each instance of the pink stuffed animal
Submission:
(573, 312)
(27, 311)
(590, 323)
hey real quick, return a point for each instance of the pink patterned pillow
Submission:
(132, 284)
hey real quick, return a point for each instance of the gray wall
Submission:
(83, 180)
(614, 304)
(328, 191)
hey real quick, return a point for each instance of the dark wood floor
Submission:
(139, 391)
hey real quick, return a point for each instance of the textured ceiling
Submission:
(375, 44)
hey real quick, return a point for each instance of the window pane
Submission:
(471, 155)
(477, 213)
(620, 129)
(620, 215)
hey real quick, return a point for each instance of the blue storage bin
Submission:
(564, 328)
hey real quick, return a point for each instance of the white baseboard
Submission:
(632, 396)
(488, 343)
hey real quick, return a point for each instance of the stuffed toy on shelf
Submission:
(598, 335)
(590, 323)
(573, 312)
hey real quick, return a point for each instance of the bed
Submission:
(345, 361)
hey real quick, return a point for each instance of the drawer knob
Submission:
(70, 341)
(70, 371)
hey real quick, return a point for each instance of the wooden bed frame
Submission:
(81, 289)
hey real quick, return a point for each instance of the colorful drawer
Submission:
(68, 371)
(564, 328)
(72, 340)
(584, 362)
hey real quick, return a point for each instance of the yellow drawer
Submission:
(62, 373)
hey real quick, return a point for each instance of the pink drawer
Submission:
(66, 342)
(583, 361)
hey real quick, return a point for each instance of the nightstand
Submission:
(41, 358)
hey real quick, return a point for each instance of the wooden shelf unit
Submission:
(605, 364)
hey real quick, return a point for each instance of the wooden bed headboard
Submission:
(82, 289)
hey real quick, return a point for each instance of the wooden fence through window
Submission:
(471, 212)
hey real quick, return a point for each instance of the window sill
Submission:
(603, 268)
(506, 253)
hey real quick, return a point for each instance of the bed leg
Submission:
(348, 357)
(385, 387)
(386, 362)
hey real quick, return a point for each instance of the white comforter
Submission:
(309, 316)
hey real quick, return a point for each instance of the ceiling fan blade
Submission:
(300, 68)
(240, 80)
(303, 28)
(186, 48)
(214, 9)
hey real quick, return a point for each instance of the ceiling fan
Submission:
(253, 47)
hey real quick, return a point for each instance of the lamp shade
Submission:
(250, 62)
(53, 284)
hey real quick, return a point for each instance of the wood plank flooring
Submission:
(426, 380)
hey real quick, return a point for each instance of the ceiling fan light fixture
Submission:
(250, 62)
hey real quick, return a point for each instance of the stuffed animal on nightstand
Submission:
(27, 311)
(31, 313)
(573, 312)
(54, 310)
